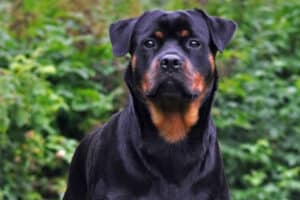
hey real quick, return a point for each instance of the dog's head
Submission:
(172, 55)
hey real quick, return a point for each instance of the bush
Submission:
(50, 95)
(257, 110)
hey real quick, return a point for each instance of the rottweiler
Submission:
(163, 144)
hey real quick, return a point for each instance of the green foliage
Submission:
(50, 94)
(58, 79)
(30, 144)
(258, 102)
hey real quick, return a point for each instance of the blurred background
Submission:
(59, 80)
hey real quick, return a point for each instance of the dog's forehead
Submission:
(172, 21)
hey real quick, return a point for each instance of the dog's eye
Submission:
(194, 44)
(149, 43)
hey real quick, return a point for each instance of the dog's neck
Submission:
(175, 123)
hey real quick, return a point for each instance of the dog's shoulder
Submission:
(101, 138)
(90, 155)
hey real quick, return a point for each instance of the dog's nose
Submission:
(171, 63)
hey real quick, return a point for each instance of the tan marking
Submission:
(133, 62)
(145, 83)
(198, 83)
(188, 70)
(184, 33)
(196, 79)
(170, 125)
(174, 126)
(192, 114)
(147, 80)
(211, 60)
(159, 34)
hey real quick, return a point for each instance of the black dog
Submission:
(163, 144)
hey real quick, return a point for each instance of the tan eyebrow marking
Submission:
(184, 33)
(159, 34)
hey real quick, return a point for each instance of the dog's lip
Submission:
(171, 88)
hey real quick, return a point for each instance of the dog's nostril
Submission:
(164, 63)
(176, 63)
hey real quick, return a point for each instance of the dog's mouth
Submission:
(173, 89)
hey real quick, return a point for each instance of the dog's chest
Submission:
(156, 191)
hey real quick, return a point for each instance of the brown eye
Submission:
(194, 44)
(149, 43)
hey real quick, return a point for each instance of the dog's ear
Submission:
(120, 34)
(221, 30)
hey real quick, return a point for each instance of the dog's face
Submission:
(172, 52)
(172, 56)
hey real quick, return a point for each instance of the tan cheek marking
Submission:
(184, 33)
(196, 79)
(211, 60)
(145, 83)
(147, 80)
(188, 70)
(133, 62)
(198, 83)
(192, 114)
(159, 34)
